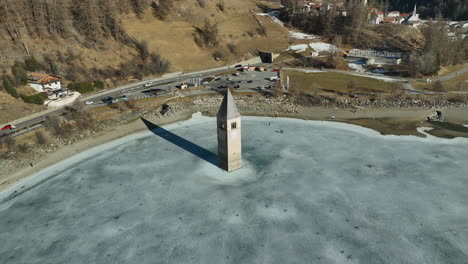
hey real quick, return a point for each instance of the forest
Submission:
(92, 19)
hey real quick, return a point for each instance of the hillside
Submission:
(118, 41)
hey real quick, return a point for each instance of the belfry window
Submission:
(233, 125)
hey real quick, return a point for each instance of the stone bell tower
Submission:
(229, 134)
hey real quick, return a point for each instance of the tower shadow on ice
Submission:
(182, 143)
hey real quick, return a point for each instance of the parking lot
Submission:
(244, 81)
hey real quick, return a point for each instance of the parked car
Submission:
(88, 103)
(148, 84)
(8, 127)
(229, 78)
(237, 86)
(276, 70)
(249, 81)
(238, 66)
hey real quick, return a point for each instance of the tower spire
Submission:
(228, 109)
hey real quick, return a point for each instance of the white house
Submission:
(43, 82)
(393, 14)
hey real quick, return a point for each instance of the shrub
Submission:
(201, 3)
(82, 87)
(221, 6)
(163, 9)
(232, 48)
(19, 74)
(99, 84)
(54, 124)
(22, 148)
(31, 64)
(38, 98)
(130, 104)
(207, 36)
(41, 137)
(9, 141)
(438, 86)
(218, 54)
(9, 87)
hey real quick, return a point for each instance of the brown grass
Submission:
(452, 85)
(12, 109)
(318, 82)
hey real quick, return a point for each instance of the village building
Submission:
(377, 17)
(413, 19)
(393, 14)
(43, 82)
(371, 57)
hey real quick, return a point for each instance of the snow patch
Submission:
(382, 78)
(322, 46)
(292, 34)
(300, 35)
(356, 67)
(306, 70)
(298, 48)
(273, 16)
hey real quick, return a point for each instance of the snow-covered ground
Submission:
(305, 70)
(323, 47)
(308, 190)
(292, 34)
(298, 48)
(356, 67)
(316, 46)
(300, 35)
(378, 77)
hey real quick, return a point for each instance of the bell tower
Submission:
(229, 134)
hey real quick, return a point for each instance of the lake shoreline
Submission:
(380, 120)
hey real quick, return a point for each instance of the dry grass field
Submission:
(460, 83)
(333, 82)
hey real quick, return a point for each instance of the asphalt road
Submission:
(451, 75)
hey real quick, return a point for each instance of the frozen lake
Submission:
(309, 192)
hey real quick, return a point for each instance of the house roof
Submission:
(42, 78)
(389, 19)
(228, 109)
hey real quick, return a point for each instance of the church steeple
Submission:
(229, 134)
(228, 109)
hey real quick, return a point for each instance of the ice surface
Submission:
(309, 192)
